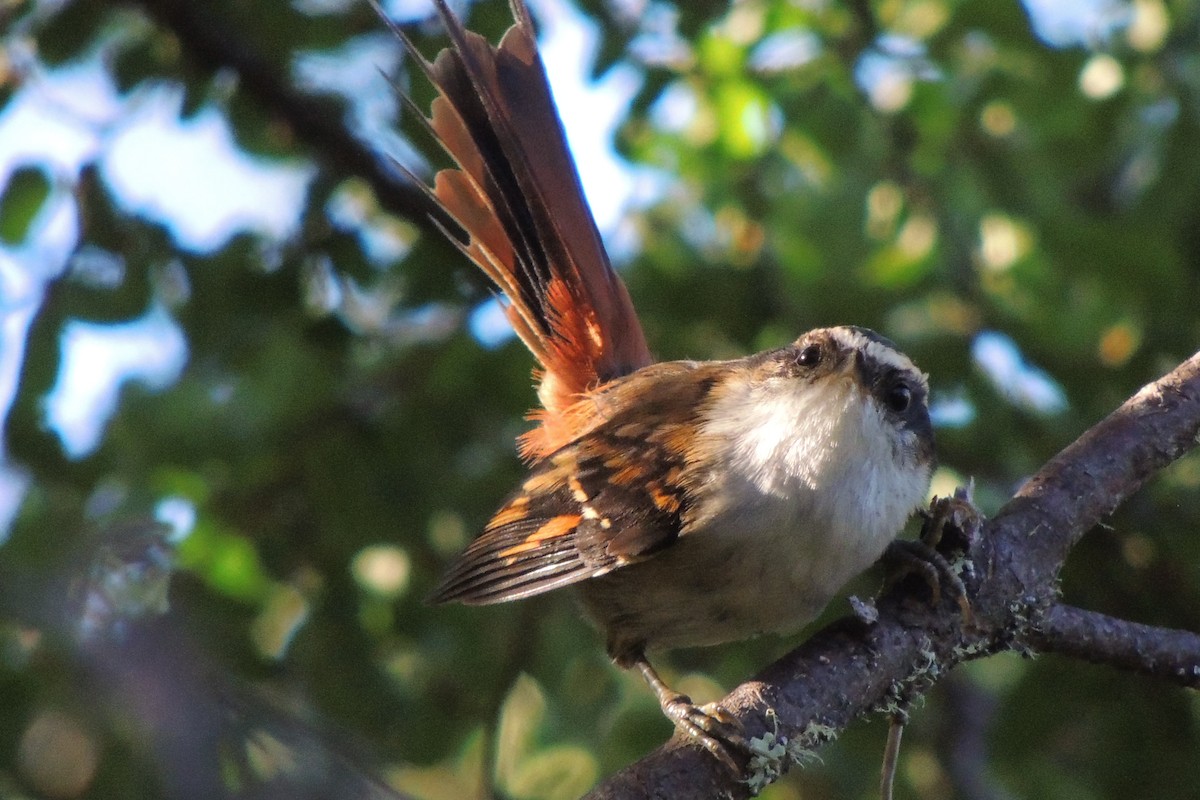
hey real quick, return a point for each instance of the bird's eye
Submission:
(809, 356)
(898, 398)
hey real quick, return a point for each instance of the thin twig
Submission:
(1145, 649)
(891, 757)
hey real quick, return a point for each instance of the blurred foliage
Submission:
(337, 432)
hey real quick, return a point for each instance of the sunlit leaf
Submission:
(23, 197)
(227, 561)
(745, 118)
(556, 773)
(520, 716)
(458, 777)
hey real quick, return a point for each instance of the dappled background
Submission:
(253, 402)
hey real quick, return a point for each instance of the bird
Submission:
(686, 503)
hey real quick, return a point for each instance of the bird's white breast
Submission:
(803, 490)
(812, 475)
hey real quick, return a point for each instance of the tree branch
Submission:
(1101, 639)
(319, 122)
(853, 667)
(1091, 477)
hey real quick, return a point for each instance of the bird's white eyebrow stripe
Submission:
(879, 352)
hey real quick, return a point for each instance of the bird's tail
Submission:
(516, 195)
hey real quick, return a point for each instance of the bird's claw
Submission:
(711, 726)
(919, 557)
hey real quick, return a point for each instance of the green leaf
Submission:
(520, 717)
(71, 30)
(227, 561)
(745, 114)
(523, 770)
(24, 196)
(557, 773)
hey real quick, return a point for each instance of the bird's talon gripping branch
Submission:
(921, 558)
(714, 728)
(711, 725)
(913, 557)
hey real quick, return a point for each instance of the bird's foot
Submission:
(710, 725)
(922, 558)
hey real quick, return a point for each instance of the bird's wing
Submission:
(615, 496)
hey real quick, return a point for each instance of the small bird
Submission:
(687, 502)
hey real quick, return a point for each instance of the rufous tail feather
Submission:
(515, 193)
